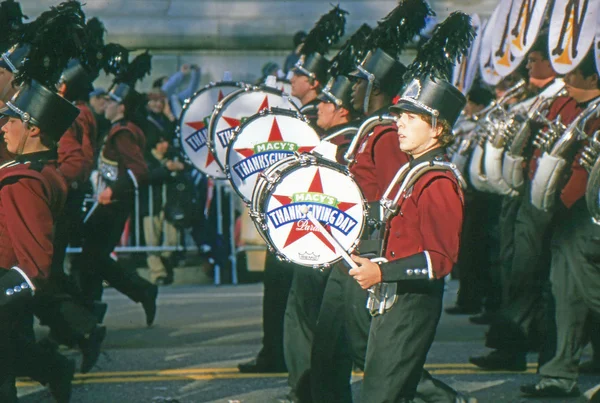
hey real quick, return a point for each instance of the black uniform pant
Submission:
(506, 229)
(60, 305)
(277, 281)
(340, 341)
(575, 278)
(477, 284)
(302, 310)
(522, 321)
(20, 352)
(102, 233)
(399, 341)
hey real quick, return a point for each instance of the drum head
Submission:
(193, 124)
(335, 201)
(263, 140)
(236, 108)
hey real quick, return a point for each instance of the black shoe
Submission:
(461, 310)
(149, 304)
(590, 367)
(260, 367)
(501, 361)
(552, 387)
(90, 348)
(484, 318)
(60, 386)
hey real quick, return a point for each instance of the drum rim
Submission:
(186, 105)
(330, 164)
(221, 105)
(265, 112)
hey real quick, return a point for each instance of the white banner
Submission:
(486, 66)
(572, 32)
(597, 45)
(503, 56)
(525, 23)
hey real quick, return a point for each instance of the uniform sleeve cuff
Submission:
(25, 277)
(410, 267)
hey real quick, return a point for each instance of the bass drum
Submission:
(233, 110)
(262, 140)
(192, 129)
(327, 190)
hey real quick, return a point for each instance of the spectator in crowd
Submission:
(292, 58)
(270, 69)
(173, 83)
(161, 121)
(162, 166)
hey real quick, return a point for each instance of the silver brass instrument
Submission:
(552, 163)
(589, 160)
(512, 166)
(382, 296)
(341, 132)
(366, 128)
(485, 168)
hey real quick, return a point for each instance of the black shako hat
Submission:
(13, 59)
(338, 91)
(314, 66)
(381, 67)
(439, 98)
(326, 33)
(429, 91)
(43, 108)
(382, 70)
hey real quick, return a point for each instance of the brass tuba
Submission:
(512, 167)
(589, 160)
(551, 165)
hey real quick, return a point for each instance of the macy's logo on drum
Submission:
(262, 156)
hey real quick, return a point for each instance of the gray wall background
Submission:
(227, 35)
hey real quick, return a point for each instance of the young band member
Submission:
(418, 245)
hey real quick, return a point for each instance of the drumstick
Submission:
(304, 210)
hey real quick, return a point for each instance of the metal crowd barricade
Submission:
(221, 189)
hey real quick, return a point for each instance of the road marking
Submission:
(187, 374)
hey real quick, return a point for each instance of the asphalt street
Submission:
(202, 332)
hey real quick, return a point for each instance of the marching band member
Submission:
(520, 323)
(32, 194)
(574, 254)
(121, 165)
(416, 242)
(343, 325)
(309, 74)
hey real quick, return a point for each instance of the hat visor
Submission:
(10, 113)
(358, 74)
(324, 97)
(406, 106)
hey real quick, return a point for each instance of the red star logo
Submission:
(220, 96)
(197, 126)
(295, 234)
(274, 135)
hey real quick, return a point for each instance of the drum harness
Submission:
(383, 296)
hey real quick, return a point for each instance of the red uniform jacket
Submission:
(124, 146)
(576, 177)
(76, 147)
(426, 231)
(377, 162)
(32, 194)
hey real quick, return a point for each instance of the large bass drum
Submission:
(193, 124)
(327, 189)
(233, 110)
(262, 140)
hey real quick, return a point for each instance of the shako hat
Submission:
(339, 88)
(381, 67)
(430, 91)
(326, 33)
(54, 38)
